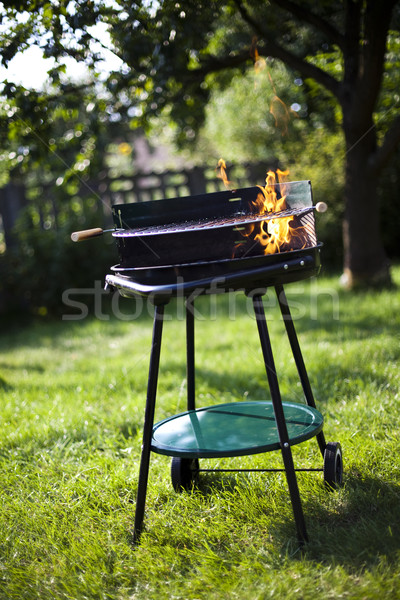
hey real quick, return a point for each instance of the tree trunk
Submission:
(365, 260)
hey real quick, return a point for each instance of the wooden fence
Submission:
(50, 203)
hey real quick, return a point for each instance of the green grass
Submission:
(71, 404)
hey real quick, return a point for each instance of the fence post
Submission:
(12, 201)
(196, 181)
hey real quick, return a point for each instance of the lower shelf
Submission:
(234, 429)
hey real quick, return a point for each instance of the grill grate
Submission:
(307, 221)
(239, 219)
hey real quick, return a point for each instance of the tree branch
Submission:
(311, 18)
(107, 48)
(271, 48)
(213, 64)
(307, 70)
(389, 145)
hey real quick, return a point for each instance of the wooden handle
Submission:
(321, 207)
(85, 234)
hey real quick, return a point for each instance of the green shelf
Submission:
(233, 429)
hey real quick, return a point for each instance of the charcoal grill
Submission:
(204, 245)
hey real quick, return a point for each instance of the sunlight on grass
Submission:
(72, 401)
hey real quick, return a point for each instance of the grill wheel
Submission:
(184, 473)
(333, 466)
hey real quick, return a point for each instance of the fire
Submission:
(275, 232)
(222, 172)
(275, 235)
(280, 234)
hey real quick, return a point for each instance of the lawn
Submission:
(72, 401)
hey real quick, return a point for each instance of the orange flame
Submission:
(275, 234)
(280, 234)
(222, 172)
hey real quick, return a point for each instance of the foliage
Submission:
(389, 100)
(58, 135)
(257, 134)
(390, 209)
(45, 263)
(71, 398)
(56, 143)
(173, 56)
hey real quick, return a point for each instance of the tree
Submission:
(174, 52)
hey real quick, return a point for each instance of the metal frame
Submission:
(148, 420)
(280, 418)
(273, 382)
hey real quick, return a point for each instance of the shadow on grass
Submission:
(72, 440)
(32, 367)
(4, 385)
(359, 528)
(356, 527)
(35, 332)
(325, 379)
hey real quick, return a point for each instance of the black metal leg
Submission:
(148, 421)
(190, 360)
(298, 357)
(280, 419)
